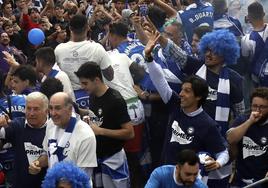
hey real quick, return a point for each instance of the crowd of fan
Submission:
(154, 93)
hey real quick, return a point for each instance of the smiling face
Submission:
(189, 102)
(36, 113)
(213, 60)
(59, 111)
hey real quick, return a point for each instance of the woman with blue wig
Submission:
(66, 175)
(218, 49)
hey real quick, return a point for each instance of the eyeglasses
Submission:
(260, 107)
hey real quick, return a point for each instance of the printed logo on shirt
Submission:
(178, 135)
(212, 94)
(201, 15)
(75, 53)
(33, 152)
(66, 149)
(250, 148)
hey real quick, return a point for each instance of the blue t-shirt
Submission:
(27, 144)
(195, 15)
(17, 105)
(163, 177)
(198, 132)
(252, 160)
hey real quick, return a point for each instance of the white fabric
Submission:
(81, 147)
(71, 55)
(63, 77)
(248, 46)
(122, 81)
(136, 112)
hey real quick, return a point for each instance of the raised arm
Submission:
(155, 71)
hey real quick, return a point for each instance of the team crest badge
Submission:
(190, 130)
(99, 111)
(263, 140)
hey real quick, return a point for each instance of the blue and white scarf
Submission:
(52, 73)
(223, 97)
(56, 147)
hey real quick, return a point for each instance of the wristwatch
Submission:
(149, 59)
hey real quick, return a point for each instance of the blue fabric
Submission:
(19, 133)
(199, 133)
(134, 50)
(162, 177)
(223, 100)
(59, 150)
(194, 17)
(259, 63)
(82, 98)
(52, 73)
(252, 159)
(235, 27)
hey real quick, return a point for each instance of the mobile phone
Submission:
(143, 10)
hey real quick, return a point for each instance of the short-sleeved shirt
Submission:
(111, 112)
(80, 149)
(71, 55)
(252, 160)
(164, 177)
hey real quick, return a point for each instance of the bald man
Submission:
(67, 137)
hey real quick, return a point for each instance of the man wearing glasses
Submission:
(248, 138)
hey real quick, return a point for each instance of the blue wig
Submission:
(67, 171)
(222, 43)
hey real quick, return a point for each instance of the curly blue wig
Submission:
(67, 171)
(222, 43)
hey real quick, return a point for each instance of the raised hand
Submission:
(151, 43)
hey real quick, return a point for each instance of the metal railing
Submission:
(257, 183)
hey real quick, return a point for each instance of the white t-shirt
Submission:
(80, 149)
(71, 55)
(122, 81)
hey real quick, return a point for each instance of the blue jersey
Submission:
(198, 132)
(164, 177)
(195, 15)
(224, 21)
(17, 105)
(134, 50)
(252, 160)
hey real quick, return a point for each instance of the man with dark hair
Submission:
(190, 126)
(51, 86)
(79, 50)
(248, 138)
(45, 63)
(183, 175)
(24, 80)
(111, 129)
(198, 33)
(254, 47)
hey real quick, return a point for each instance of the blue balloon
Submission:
(36, 36)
